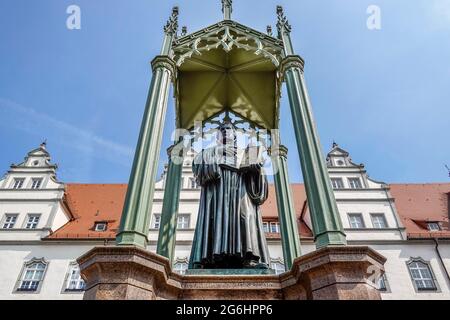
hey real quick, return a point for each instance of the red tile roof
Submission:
(418, 204)
(91, 203)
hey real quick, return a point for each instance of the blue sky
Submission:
(384, 95)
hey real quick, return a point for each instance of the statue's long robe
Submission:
(229, 228)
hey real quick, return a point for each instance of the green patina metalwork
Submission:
(169, 213)
(286, 212)
(327, 225)
(135, 219)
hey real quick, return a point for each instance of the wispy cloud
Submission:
(32, 121)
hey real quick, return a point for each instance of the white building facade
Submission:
(46, 225)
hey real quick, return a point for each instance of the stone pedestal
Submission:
(128, 272)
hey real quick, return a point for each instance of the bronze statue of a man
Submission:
(229, 232)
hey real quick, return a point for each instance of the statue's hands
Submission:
(224, 151)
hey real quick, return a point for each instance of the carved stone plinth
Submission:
(132, 273)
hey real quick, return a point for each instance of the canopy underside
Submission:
(238, 80)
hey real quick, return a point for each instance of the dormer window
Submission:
(101, 226)
(274, 227)
(18, 183)
(340, 162)
(433, 226)
(36, 183)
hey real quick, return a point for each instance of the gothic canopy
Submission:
(227, 66)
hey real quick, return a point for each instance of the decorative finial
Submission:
(227, 9)
(448, 169)
(269, 31)
(171, 26)
(283, 22)
(183, 31)
(335, 144)
(43, 145)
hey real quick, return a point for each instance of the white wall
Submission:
(58, 256)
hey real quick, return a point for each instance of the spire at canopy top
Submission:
(227, 9)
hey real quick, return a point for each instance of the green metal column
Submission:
(134, 225)
(327, 225)
(288, 220)
(169, 214)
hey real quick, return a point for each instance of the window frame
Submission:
(98, 223)
(436, 223)
(372, 215)
(430, 269)
(387, 288)
(350, 179)
(341, 183)
(26, 222)
(277, 224)
(349, 215)
(180, 261)
(188, 221)
(156, 215)
(15, 180)
(5, 217)
(265, 226)
(40, 181)
(65, 289)
(193, 183)
(22, 273)
(278, 261)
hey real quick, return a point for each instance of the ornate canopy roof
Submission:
(227, 66)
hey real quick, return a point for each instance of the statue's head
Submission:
(227, 133)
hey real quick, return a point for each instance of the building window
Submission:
(337, 183)
(180, 267)
(433, 226)
(382, 283)
(74, 282)
(266, 227)
(421, 275)
(275, 227)
(378, 220)
(183, 221)
(193, 183)
(101, 226)
(18, 183)
(277, 266)
(354, 183)
(9, 221)
(32, 221)
(156, 221)
(356, 220)
(32, 276)
(340, 162)
(36, 183)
